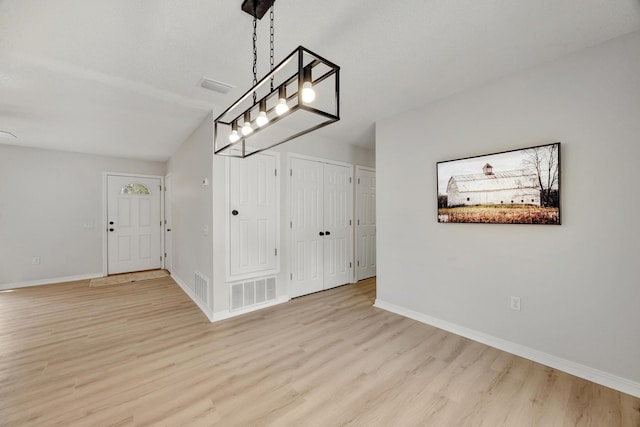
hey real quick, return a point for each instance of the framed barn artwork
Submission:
(512, 187)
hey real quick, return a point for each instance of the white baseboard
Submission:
(600, 377)
(201, 305)
(51, 281)
(227, 314)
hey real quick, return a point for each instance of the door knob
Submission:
(321, 233)
(168, 229)
(110, 222)
(327, 233)
(111, 229)
(234, 212)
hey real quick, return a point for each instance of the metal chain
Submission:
(271, 43)
(255, 50)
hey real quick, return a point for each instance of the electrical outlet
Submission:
(35, 260)
(515, 303)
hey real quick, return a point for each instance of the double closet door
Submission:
(321, 225)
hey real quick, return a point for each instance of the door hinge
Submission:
(276, 171)
(291, 276)
(290, 172)
(358, 222)
(358, 264)
(349, 222)
(349, 180)
(276, 251)
(358, 180)
(165, 222)
(290, 224)
(349, 265)
(160, 258)
(160, 223)
(165, 254)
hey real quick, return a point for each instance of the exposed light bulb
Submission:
(233, 137)
(246, 128)
(308, 94)
(262, 118)
(282, 107)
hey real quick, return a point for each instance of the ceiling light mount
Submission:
(299, 95)
(257, 8)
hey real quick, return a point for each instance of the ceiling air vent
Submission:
(215, 86)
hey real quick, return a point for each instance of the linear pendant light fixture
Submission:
(299, 95)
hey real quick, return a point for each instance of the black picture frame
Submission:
(520, 186)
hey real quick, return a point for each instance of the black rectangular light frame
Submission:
(233, 114)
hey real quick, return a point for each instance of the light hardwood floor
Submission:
(143, 354)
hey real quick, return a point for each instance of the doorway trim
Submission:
(105, 249)
(357, 218)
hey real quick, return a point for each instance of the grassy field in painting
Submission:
(500, 214)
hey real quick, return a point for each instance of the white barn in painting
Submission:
(509, 187)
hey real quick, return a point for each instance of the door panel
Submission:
(133, 215)
(252, 230)
(366, 224)
(321, 197)
(337, 208)
(306, 224)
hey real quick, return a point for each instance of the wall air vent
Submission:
(215, 85)
(253, 292)
(200, 286)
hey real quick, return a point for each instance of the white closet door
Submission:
(337, 224)
(253, 215)
(321, 226)
(307, 267)
(366, 223)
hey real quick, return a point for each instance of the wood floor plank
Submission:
(142, 354)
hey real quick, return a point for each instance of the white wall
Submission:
(579, 282)
(51, 207)
(192, 227)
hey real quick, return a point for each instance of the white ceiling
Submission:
(121, 77)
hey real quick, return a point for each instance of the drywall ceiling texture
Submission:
(122, 77)
(579, 281)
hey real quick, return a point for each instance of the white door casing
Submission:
(320, 202)
(253, 216)
(168, 222)
(133, 223)
(365, 223)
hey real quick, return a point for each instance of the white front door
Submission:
(366, 223)
(133, 223)
(337, 225)
(253, 205)
(321, 198)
